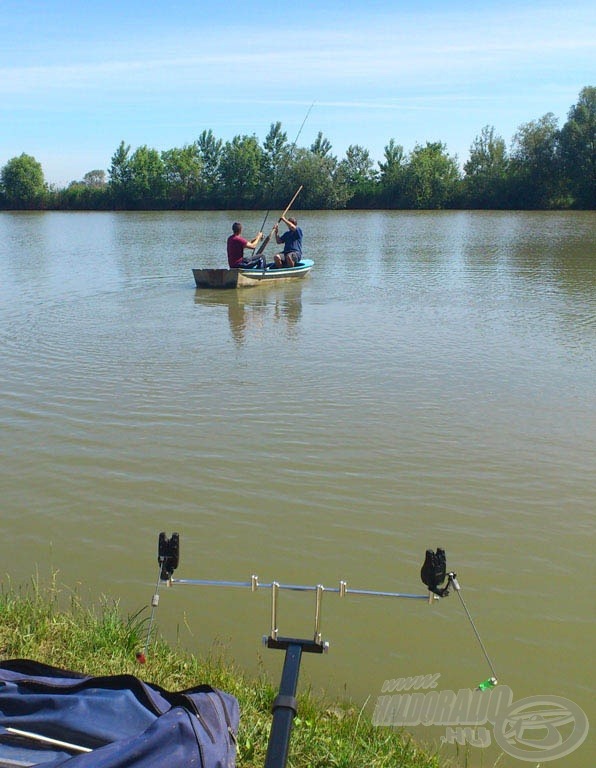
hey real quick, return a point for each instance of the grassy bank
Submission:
(51, 625)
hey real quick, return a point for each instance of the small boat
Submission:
(248, 278)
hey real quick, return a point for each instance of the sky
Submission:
(77, 78)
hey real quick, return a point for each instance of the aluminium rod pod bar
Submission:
(168, 559)
(276, 587)
(255, 584)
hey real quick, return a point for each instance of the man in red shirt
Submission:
(236, 246)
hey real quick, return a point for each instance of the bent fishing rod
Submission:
(291, 150)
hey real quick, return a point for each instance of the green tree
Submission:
(358, 172)
(276, 159)
(578, 149)
(431, 177)
(120, 175)
(392, 177)
(90, 194)
(321, 146)
(391, 168)
(147, 178)
(183, 174)
(240, 167)
(535, 165)
(357, 166)
(486, 171)
(79, 196)
(22, 183)
(324, 187)
(95, 179)
(210, 152)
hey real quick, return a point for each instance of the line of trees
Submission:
(544, 168)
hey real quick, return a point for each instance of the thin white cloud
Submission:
(441, 71)
(441, 47)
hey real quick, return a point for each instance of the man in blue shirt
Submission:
(292, 240)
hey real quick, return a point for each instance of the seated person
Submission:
(292, 240)
(236, 246)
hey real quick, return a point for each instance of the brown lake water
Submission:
(431, 383)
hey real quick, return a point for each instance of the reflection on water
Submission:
(252, 309)
(431, 385)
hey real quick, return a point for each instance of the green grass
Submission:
(51, 625)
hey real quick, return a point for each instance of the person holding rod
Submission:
(292, 240)
(236, 246)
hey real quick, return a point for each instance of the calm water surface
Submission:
(432, 383)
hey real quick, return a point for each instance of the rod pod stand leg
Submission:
(285, 705)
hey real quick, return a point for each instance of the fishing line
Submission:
(141, 656)
(433, 574)
(492, 681)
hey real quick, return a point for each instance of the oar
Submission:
(268, 238)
